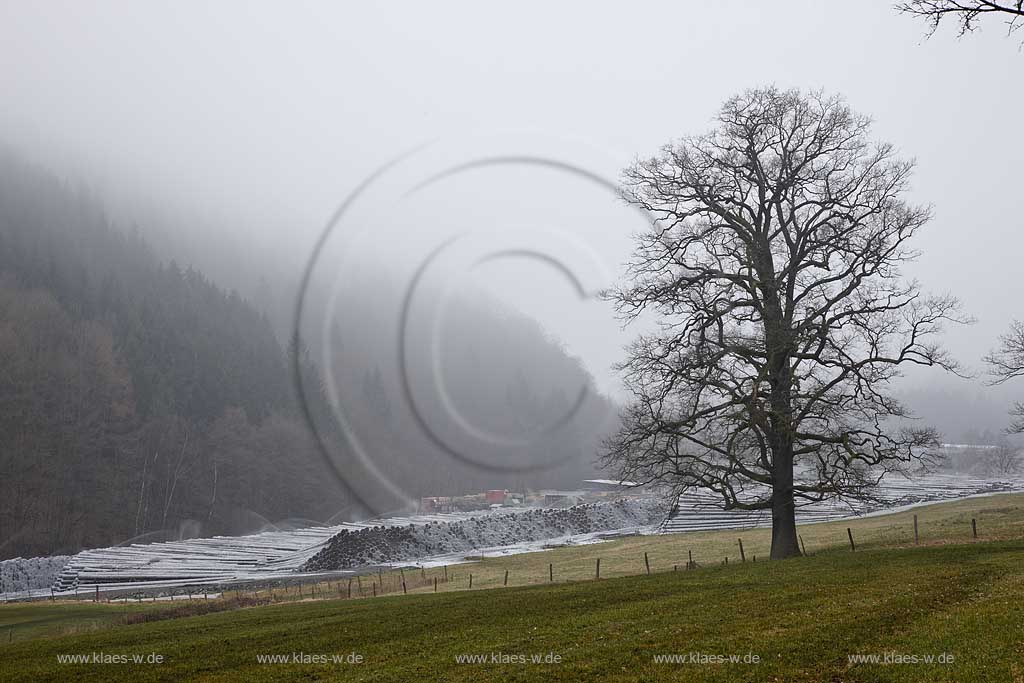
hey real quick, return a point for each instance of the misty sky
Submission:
(262, 117)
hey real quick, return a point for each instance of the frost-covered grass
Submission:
(802, 618)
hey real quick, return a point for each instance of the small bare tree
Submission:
(967, 13)
(1006, 363)
(1004, 458)
(773, 268)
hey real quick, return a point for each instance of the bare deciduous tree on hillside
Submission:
(774, 270)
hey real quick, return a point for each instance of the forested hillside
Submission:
(135, 396)
(139, 400)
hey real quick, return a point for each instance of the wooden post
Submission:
(471, 579)
(374, 589)
(404, 592)
(350, 587)
(690, 564)
(359, 580)
(435, 584)
(597, 572)
(974, 527)
(446, 573)
(802, 546)
(849, 533)
(647, 563)
(915, 530)
(97, 593)
(743, 557)
(506, 578)
(551, 572)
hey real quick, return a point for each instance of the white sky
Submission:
(265, 115)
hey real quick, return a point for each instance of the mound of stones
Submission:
(24, 574)
(379, 544)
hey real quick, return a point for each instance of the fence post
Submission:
(974, 527)
(374, 589)
(471, 579)
(446, 573)
(551, 572)
(647, 563)
(849, 533)
(802, 546)
(690, 564)
(915, 530)
(597, 572)
(435, 584)
(404, 592)
(350, 587)
(506, 578)
(743, 557)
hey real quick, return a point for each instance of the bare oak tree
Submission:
(967, 13)
(773, 268)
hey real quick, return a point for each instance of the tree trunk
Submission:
(784, 539)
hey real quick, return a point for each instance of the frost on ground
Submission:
(380, 544)
(20, 574)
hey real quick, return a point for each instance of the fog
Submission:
(236, 129)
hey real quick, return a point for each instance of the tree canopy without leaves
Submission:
(773, 267)
(967, 13)
(1006, 363)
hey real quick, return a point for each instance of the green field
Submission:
(802, 618)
